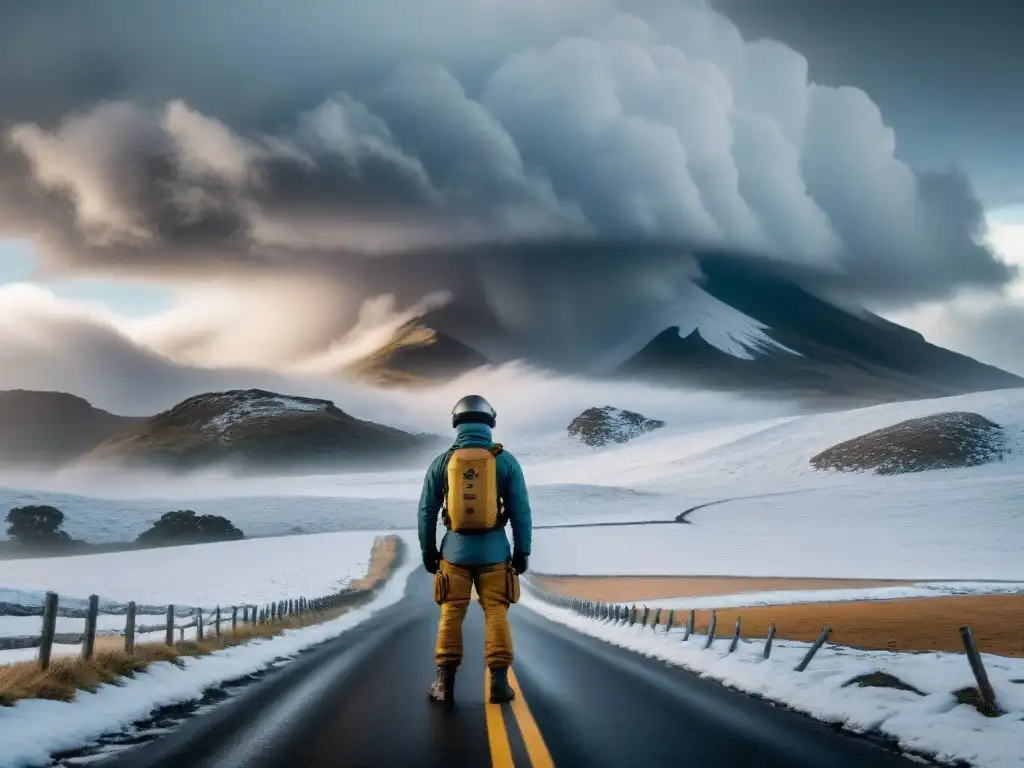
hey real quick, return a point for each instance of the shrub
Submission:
(184, 526)
(36, 524)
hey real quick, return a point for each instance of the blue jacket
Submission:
(485, 548)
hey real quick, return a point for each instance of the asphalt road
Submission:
(360, 700)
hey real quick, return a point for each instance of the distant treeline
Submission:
(37, 530)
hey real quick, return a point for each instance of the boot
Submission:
(442, 690)
(501, 691)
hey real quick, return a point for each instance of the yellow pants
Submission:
(497, 586)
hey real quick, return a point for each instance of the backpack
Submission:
(472, 502)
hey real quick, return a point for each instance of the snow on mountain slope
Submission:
(258, 405)
(725, 328)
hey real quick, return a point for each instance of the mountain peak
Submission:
(746, 329)
(418, 353)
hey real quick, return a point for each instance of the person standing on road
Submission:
(478, 488)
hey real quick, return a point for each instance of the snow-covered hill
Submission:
(256, 430)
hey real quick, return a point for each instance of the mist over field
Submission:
(534, 409)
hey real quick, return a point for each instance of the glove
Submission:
(431, 561)
(519, 562)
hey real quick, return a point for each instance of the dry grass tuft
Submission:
(68, 675)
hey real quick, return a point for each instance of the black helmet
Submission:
(473, 409)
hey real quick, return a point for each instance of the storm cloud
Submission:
(548, 162)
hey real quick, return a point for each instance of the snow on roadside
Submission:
(31, 730)
(931, 724)
(798, 596)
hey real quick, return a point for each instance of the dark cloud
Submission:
(946, 74)
(556, 163)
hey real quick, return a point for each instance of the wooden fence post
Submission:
(169, 639)
(199, 624)
(89, 640)
(689, 625)
(647, 612)
(216, 622)
(657, 619)
(234, 619)
(711, 630)
(988, 694)
(735, 636)
(768, 642)
(813, 649)
(129, 629)
(671, 620)
(49, 629)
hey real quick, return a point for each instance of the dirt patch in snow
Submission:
(882, 680)
(621, 588)
(939, 441)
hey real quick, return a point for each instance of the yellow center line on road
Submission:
(540, 757)
(501, 750)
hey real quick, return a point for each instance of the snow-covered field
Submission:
(787, 519)
(933, 724)
(249, 572)
(29, 730)
(783, 517)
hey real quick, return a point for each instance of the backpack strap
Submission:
(445, 519)
(502, 521)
